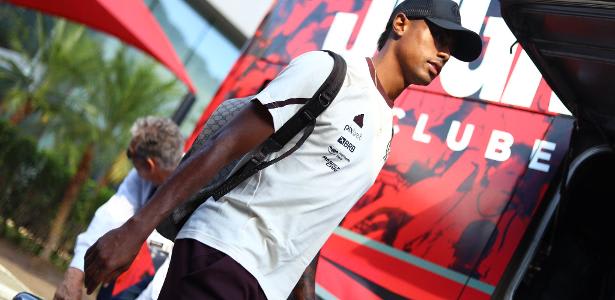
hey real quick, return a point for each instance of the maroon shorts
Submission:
(198, 271)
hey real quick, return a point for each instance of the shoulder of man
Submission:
(299, 79)
(132, 183)
(311, 63)
(318, 64)
(317, 58)
(133, 177)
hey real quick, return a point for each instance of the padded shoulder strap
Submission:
(312, 109)
(302, 119)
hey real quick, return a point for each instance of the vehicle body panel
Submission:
(571, 43)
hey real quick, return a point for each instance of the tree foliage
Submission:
(75, 94)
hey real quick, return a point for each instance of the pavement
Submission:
(9, 285)
(22, 271)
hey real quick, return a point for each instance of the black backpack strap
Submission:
(312, 109)
(304, 119)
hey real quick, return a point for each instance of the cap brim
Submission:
(468, 44)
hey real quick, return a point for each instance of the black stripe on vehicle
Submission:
(279, 104)
(380, 291)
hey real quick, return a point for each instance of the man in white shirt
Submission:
(155, 150)
(256, 241)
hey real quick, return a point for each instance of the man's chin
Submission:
(421, 79)
(424, 81)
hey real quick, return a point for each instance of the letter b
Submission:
(499, 145)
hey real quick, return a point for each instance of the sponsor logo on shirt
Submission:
(330, 164)
(353, 132)
(348, 145)
(358, 119)
(338, 154)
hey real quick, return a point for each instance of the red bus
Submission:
(473, 157)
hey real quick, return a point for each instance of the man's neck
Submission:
(160, 176)
(389, 73)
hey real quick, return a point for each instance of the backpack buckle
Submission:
(307, 115)
(324, 99)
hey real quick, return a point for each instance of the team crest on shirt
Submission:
(358, 119)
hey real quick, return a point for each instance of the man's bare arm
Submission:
(249, 129)
(306, 286)
(113, 253)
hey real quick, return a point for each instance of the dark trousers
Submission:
(198, 271)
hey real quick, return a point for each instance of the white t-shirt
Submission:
(275, 222)
(132, 194)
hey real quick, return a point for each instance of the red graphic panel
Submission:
(388, 276)
(141, 267)
(291, 28)
(464, 209)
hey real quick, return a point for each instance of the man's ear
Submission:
(400, 24)
(151, 163)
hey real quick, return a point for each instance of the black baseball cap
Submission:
(445, 14)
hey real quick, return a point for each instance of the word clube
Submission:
(498, 147)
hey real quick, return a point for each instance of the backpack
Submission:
(237, 171)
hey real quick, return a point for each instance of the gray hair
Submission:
(158, 138)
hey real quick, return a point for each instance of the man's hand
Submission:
(71, 287)
(111, 255)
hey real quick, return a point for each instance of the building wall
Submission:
(206, 41)
(245, 15)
